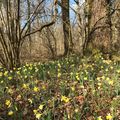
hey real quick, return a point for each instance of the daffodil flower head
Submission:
(35, 89)
(65, 99)
(10, 113)
(109, 116)
(8, 103)
(99, 118)
(38, 116)
(41, 107)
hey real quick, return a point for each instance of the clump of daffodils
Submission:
(37, 114)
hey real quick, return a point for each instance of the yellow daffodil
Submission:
(81, 86)
(30, 100)
(44, 87)
(41, 107)
(8, 103)
(109, 116)
(106, 70)
(59, 74)
(99, 118)
(76, 110)
(35, 89)
(35, 111)
(118, 71)
(10, 113)
(99, 84)
(73, 88)
(98, 78)
(2, 81)
(103, 77)
(18, 72)
(85, 78)
(10, 78)
(111, 67)
(107, 78)
(5, 73)
(25, 76)
(110, 82)
(71, 73)
(38, 116)
(77, 76)
(59, 65)
(25, 86)
(65, 99)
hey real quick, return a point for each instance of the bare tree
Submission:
(13, 34)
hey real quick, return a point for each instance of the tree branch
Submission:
(40, 29)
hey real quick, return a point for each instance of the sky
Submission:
(73, 5)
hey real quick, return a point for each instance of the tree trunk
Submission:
(99, 27)
(29, 26)
(68, 44)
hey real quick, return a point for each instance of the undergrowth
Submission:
(72, 88)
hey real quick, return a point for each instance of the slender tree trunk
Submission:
(29, 26)
(68, 44)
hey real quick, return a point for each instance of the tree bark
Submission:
(68, 44)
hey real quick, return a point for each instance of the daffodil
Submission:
(35, 89)
(38, 116)
(41, 107)
(65, 99)
(59, 74)
(25, 86)
(77, 77)
(8, 103)
(59, 65)
(71, 73)
(35, 111)
(103, 77)
(99, 118)
(10, 113)
(5, 73)
(76, 110)
(85, 78)
(98, 78)
(107, 78)
(110, 82)
(30, 100)
(2, 81)
(73, 88)
(10, 78)
(44, 87)
(18, 72)
(109, 116)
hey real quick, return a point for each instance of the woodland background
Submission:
(33, 30)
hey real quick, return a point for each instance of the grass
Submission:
(69, 89)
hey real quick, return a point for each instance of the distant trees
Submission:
(13, 32)
(98, 27)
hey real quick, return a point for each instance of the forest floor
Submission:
(72, 88)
